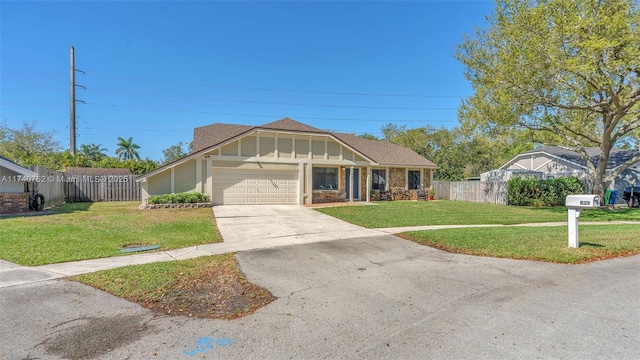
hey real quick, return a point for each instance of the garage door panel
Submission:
(231, 186)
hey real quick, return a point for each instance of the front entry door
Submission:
(356, 184)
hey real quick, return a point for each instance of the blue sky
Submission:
(157, 69)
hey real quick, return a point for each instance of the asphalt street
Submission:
(362, 298)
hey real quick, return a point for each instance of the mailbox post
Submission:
(575, 204)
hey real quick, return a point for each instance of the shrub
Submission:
(181, 198)
(539, 193)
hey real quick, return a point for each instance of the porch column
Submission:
(301, 190)
(209, 183)
(351, 184)
(173, 180)
(369, 183)
(422, 178)
(198, 175)
(309, 182)
(386, 178)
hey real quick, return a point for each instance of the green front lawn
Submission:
(443, 212)
(535, 243)
(82, 231)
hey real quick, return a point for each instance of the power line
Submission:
(269, 103)
(279, 90)
(259, 115)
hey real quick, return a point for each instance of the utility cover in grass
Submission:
(140, 248)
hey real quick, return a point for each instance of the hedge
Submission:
(181, 198)
(539, 193)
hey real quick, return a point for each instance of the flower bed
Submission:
(175, 206)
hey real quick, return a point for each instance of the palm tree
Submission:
(93, 152)
(127, 150)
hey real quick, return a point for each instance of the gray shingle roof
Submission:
(616, 158)
(214, 134)
(382, 152)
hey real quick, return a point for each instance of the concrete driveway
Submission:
(245, 227)
(361, 298)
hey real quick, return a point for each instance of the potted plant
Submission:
(372, 195)
(431, 194)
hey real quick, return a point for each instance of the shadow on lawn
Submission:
(72, 208)
(588, 244)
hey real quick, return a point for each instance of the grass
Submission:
(443, 212)
(206, 287)
(548, 244)
(82, 231)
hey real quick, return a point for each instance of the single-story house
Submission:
(14, 179)
(287, 162)
(555, 162)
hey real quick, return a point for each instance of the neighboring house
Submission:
(287, 162)
(14, 179)
(555, 162)
(508, 174)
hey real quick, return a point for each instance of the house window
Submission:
(325, 178)
(379, 177)
(413, 179)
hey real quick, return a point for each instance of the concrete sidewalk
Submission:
(243, 227)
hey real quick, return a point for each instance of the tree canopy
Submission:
(569, 70)
(173, 153)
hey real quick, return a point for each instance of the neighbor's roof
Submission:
(16, 167)
(616, 158)
(79, 171)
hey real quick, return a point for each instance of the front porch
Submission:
(351, 183)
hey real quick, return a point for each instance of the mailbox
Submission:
(582, 201)
(575, 204)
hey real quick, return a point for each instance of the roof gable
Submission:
(288, 124)
(616, 157)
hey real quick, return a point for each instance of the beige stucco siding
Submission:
(302, 148)
(285, 147)
(230, 149)
(251, 166)
(318, 149)
(248, 146)
(185, 177)
(268, 146)
(333, 150)
(160, 183)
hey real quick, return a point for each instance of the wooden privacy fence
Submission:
(50, 184)
(84, 188)
(492, 192)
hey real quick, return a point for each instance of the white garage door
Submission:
(254, 187)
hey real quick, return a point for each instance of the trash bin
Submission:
(607, 196)
(613, 197)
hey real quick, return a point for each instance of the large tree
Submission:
(173, 153)
(567, 69)
(127, 149)
(27, 145)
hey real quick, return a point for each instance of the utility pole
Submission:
(72, 104)
(72, 124)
